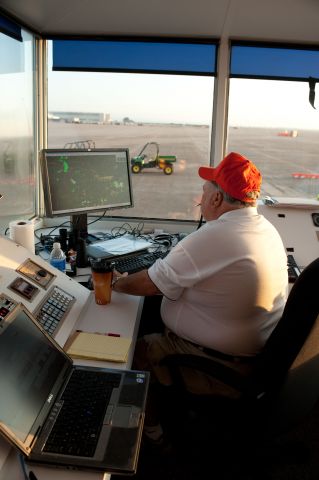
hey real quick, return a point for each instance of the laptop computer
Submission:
(117, 247)
(35, 406)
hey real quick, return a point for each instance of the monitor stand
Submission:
(79, 229)
(79, 226)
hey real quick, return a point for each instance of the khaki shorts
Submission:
(151, 349)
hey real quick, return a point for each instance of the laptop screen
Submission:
(29, 365)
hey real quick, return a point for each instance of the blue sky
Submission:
(182, 99)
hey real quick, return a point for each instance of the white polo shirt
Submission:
(225, 285)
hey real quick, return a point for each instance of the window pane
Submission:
(17, 182)
(273, 124)
(134, 56)
(131, 110)
(262, 61)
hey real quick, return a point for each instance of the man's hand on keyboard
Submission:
(138, 283)
(117, 275)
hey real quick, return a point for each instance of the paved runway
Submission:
(160, 196)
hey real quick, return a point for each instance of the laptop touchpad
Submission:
(125, 416)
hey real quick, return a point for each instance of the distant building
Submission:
(80, 117)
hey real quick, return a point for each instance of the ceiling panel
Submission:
(276, 20)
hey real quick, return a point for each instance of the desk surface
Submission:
(121, 316)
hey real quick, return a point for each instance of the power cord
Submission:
(164, 239)
(27, 475)
(126, 228)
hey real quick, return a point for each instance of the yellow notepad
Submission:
(97, 346)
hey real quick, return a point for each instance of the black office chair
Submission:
(282, 387)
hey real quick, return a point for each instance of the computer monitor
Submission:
(78, 182)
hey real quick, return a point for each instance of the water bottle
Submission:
(57, 257)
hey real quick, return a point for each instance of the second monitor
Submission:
(78, 182)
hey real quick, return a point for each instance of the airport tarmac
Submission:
(161, 196)
(174, 196)
(155, 194)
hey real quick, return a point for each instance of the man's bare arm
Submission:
(138, 283)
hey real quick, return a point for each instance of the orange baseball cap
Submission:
(236, 175)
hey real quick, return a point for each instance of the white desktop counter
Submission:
(121, 316)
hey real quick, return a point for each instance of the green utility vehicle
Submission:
(149, 157)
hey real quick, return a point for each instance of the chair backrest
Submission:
(288, 367)
(283, 385)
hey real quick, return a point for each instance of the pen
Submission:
(110, 334)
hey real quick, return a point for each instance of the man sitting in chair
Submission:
(224, 286)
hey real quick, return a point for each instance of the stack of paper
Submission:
(97, 346)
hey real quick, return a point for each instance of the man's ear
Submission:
(217, 199)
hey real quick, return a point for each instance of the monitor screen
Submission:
(32, 366)
(83, 181)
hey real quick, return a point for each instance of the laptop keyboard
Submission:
(78, 425)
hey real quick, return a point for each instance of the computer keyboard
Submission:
(293, 269)
(137, 262)
(53, 309)
(80, 420)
